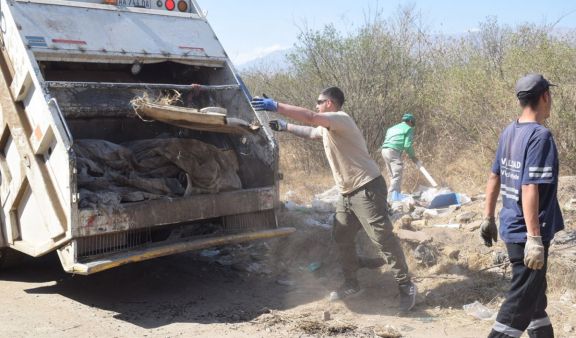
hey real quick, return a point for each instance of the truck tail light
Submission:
(111, 2)
(170, 5)
(182, 6)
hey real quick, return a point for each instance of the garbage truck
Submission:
(104, 181)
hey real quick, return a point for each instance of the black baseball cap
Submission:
(531, 85)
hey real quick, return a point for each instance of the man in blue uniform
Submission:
(525, 173)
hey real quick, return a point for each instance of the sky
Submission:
(252, 29)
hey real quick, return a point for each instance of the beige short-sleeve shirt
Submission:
(346, 150)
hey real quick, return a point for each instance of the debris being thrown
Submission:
(213, 119)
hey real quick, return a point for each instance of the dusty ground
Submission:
(276, 289)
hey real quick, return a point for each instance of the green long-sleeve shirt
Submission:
(400, 137)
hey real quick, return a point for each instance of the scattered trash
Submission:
(473, 226)
(388, 331)
(428, 194)
(405, 222)
(209, 253)
(418, 213)
(227, 260)
(570, 205)
(565, 237)
(289, 195)
(420, 223)
(326, 201)
(285, 282)
(292, 206)
(448, 225)
(479, 311)
(426, 319)
(326, 315)
(499, 257)
(406, 328)
(431, 213)
(425, 255)
(444, 200)
(466, 217)
(311, 221)
(402, 207)
(413, 236)
(314, 266)
(399, 197)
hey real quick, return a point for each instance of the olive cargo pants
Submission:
(366, 208)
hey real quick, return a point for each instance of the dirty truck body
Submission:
(69, 71)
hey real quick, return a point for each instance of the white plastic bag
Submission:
(479, 311)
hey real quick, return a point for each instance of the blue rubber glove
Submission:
(278, 125)
(259, 103)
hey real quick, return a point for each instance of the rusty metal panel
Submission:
(173, 211)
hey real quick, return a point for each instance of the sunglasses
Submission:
(321, 101)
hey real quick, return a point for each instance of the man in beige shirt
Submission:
(362, 202)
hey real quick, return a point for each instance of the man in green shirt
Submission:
(399, 138)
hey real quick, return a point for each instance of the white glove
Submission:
(534, 253)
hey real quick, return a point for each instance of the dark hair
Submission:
(531, 100)
(335, 94)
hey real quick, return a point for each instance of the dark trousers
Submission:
(525, 305)
(367, 208)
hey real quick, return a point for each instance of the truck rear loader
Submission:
(85, 172)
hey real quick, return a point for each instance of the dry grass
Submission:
(467, 173)
(304, 185)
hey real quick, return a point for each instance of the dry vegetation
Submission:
(460, 89)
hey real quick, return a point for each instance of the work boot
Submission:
(407, 296)
(348, 290)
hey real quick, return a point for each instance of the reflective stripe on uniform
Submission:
(540, 169)
(509, 192)
(536, 323)
(512, 332)
(540, 172)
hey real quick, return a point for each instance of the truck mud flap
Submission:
(118, 259)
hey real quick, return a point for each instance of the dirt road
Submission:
(272, 289)
(181, 296)
(184, 296)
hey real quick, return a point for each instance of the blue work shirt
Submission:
(527, 154)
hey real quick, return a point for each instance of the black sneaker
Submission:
(407, 296)
(347, 291)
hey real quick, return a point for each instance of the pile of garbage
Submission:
(426, 203)
(110, 174)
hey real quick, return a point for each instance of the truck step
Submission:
(115, 260)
